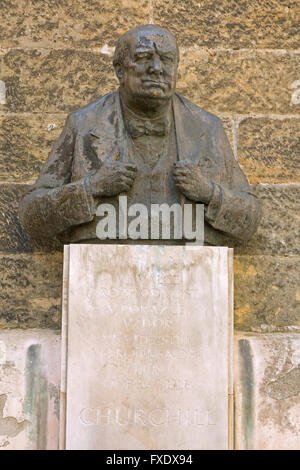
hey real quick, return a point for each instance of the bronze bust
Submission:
(144, 140)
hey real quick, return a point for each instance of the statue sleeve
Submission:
(54, 203)
(233, 209)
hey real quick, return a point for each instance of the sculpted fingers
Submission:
(183, 166)
(181, 163)
(127, 187)
(184, 172)
(127, 169)
(127, 179)
(130, 166)
(124, 182)
(129, 173)
(181, 177)
(182, 184)
(112, 178)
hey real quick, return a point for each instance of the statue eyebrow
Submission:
(140, 52)
(143, 51)
(167, 54)
(162, 53)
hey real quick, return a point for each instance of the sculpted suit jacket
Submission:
(61, 200)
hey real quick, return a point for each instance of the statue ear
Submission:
(119, 72)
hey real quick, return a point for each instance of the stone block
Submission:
(51, 81)
(83, 24)
(31, 291)
(267, 293)
(29, 390)
(267, 392)
(240, 82)
(25, 142)
(267, 24)
(269, 149)
(278, 232)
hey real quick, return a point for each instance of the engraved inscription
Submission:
(156, 417)
(152, 353)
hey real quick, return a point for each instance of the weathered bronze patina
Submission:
(144, 140)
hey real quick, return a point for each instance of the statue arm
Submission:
(233, 208)
(55, 204)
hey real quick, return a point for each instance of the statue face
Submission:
(151, 69)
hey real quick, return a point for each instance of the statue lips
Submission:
(155, 83)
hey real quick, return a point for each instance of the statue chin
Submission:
(151, 97)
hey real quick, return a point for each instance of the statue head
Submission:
(145, 61)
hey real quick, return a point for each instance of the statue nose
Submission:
(156, 64)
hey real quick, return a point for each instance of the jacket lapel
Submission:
(107, 135)
(190, 137)
(193, 139)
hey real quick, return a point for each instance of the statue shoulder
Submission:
(210, 119)
(88, 111)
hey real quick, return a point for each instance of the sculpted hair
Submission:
(122, 49)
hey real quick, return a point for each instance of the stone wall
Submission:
(239, 60)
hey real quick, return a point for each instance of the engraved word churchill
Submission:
(147, 142)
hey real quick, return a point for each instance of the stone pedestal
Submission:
(147, 348)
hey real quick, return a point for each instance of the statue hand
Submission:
(191, 182)
(113, 178)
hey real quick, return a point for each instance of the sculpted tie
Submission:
(137, 128)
